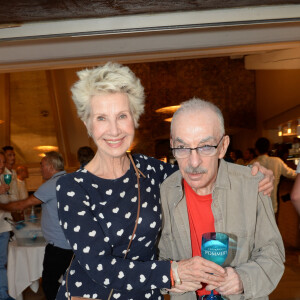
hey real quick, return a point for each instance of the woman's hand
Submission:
(186, 287)
(200, 270)
(266, 185)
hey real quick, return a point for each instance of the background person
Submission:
(22, 175)
(248, 155)
(98, 203)
(295, 193)
(10, 157)
(85, 155)
(58, 253)
(5, 229)
(262, 146)
(208, 195)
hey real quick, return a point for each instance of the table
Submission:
(24, 268)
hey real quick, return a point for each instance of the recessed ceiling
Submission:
(20, 11)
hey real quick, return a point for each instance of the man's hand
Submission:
(233, 284)
(266, 185)
(4, 188)
(198, 269)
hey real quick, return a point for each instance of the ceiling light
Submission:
(46, 148)
(289, 130)
(279, 131)
(298, 129)
(1, 121)
(168, 109)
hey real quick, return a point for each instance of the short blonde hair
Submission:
(110, 78)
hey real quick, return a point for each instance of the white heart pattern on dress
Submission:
(153, 224)
(108, 192)
(78, 179)
(120, 232)
(92, 233)
(106, 281)
(86, 249)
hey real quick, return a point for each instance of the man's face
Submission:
(10, 158)
(46, 169)
(2, 163)
(196, 129)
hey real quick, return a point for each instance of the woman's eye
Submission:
(123, 116)
(100, 118)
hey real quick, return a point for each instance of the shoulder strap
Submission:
(137, 173)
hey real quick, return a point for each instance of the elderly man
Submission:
(208, 194)
(58, 253)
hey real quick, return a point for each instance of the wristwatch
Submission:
(174, 267)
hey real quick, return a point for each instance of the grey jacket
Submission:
(256, 249)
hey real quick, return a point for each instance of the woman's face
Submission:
(111, 124)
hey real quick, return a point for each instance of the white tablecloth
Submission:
(24, 268)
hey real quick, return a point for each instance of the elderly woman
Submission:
(98, 204)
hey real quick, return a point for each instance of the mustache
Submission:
(196, 170)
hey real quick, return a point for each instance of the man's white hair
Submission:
(196, 104)
(110, 78)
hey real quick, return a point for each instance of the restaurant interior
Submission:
(243, 56)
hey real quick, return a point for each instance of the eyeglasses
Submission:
(206, 150)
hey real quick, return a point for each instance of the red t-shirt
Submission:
(201, 220)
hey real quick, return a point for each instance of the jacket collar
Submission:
(222, 180)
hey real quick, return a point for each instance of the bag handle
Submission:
(137, 173)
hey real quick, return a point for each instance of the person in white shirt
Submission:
(5, 228)
(275, 164)
(10, 157)
(22, 174)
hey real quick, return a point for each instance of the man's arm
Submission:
(295, 193)
(262, 272)
(21, 204)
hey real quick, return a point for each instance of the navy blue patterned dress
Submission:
(98, 216)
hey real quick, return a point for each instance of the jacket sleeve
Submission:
(262, 272)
